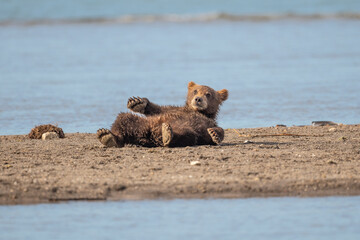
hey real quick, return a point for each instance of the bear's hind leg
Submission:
(108, 139)
(216, 134)
(182, 137)
(133, 129)
(167, 134)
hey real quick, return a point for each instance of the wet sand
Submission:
(258, 162)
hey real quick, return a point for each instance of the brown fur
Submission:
(38, 131)
(192, 124)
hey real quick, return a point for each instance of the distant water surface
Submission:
(254, 218)
(27, 10)
(75, 63)
(80, 75)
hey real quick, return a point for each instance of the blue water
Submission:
(254, 218)
(79, 74)
(74, 9)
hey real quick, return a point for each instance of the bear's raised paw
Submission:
(137, 104)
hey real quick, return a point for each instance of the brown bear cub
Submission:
(169, 126)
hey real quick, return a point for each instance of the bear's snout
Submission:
(198, 100)
(199, 103)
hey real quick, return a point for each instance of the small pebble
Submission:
(332, 129)
(248, 142)
(195, 163)
(49, 135)
(343, 139)
(331, 162)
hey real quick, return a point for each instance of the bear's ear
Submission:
(223, 94)
(191, 85)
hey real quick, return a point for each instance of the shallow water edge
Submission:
(254, 218)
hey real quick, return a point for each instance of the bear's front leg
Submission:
(144, 106)
(137, 104)
(216, 134)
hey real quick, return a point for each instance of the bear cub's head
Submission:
(204, 99)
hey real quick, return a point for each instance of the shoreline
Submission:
(306, 161)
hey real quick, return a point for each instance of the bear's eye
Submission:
(195, 91)
(208, 95)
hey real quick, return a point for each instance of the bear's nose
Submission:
(198, 99)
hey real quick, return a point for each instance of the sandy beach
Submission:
(257, 162)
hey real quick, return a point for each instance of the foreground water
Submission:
(253, 218)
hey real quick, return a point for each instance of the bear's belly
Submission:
(194, 121)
